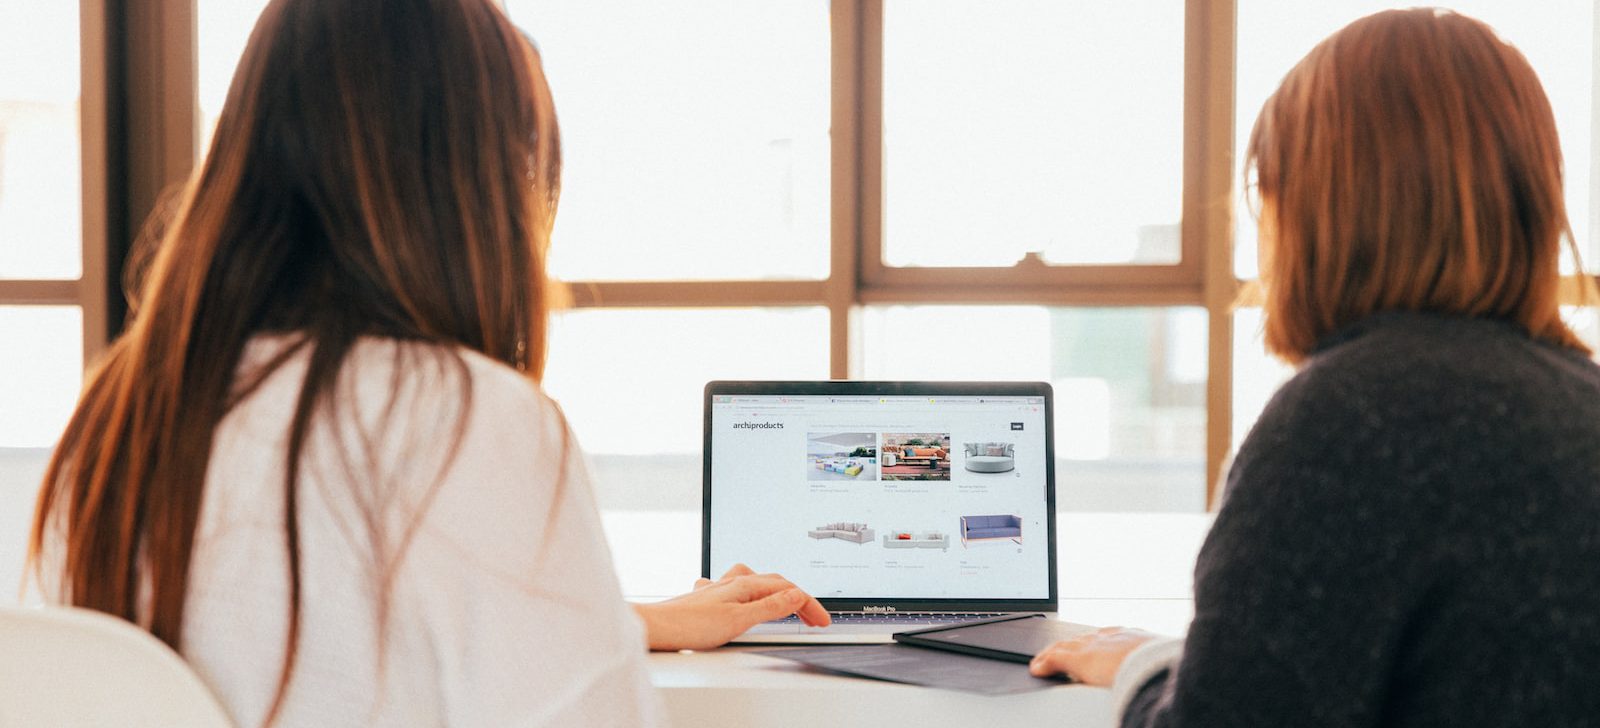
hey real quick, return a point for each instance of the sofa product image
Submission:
(846, 466)
(981, 528)
(852, 532)
(990, 457)
(929, 457)
(916, 540)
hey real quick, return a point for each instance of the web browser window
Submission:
(894, 497)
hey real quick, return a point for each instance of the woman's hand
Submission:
(718, 611)
(1091, 659)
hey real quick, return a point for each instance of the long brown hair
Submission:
(380, 169)
(1409, 162)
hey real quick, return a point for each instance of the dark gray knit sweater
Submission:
(1410, 537)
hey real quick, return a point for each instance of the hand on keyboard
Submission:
(717, 611)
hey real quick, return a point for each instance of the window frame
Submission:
(138, 139)
(87, 291)
(858, 276)
(140, 136)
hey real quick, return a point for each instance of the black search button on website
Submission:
(1016, 425)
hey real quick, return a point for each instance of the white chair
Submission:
(76, 667)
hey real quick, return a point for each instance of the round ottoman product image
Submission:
(990, 457)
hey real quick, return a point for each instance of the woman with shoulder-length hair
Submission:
(318, 463)
(1411, 531)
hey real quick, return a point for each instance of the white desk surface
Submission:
(731, 687)
(1132, 569)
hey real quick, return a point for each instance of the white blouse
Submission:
(453, 567)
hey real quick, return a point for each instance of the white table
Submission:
(1131, 569)
(731, 687)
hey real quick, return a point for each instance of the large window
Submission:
(1032, 126)
(630, 382)
(695, 137)
(930, 190)
(1007, 189)
(42, 238)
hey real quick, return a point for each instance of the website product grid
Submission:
(884, 497)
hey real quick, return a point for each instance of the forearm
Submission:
(656, 629)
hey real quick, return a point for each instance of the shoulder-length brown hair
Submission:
(1409, 162)
(380, 169)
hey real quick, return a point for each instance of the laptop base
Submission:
(852, 628)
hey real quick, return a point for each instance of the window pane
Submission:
(1556, 37)
(41, 212)
(695, 136)
(631, 382)
(1032, 125)
(717, 144)
(224, 27)
(1256, 374)
(1130, 386)
(1585, 322)
(41, 371)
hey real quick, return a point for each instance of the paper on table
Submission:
(919, 666)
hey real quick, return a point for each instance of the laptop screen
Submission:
(883, 491)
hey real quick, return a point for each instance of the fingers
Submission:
(774, 606)
(755, 588)
(1057, 659)
(738, 570)
(813, 613)
(751, 587)
(1092, 658)
(745, 585)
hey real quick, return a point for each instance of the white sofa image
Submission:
(852, 532)
(990, 457)
(916, 540)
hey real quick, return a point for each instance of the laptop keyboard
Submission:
(900, 618)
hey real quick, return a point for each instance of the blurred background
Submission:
(892, 189)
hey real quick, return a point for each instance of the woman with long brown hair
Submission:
(1411, 531)
(318, 463)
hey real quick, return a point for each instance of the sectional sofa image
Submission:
(916, 540)
(853, 532)
(844, 466)
(847, 456)
(990, 457)
(988, 528)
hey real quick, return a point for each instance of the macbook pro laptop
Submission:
(897, 504)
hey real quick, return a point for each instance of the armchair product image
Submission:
(916, 540)
(857, 533)
(990, 457)
(985, 528)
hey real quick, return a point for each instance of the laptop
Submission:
(898, 505)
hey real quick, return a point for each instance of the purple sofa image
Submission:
(978, 528)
